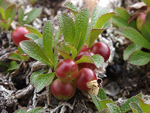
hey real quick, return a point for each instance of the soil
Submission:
(123, 80)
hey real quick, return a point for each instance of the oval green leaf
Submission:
(10, 12)
(97, 12)
(135, 108)
(139, 58)
(32, 15)
(71, 7)
(67, 27)
(103, 19)
(144, 107)
(42, 80)
(129, 50)
(33, 30)
(81, 25)
(37, 110)
(113, 108)
(31, 36)
(21, 111)
(34, 51)
(34, 75)
(20, 14)
(135, 37)
(125, 107)
(48, 39)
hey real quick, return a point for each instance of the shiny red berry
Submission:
(63, 90)
(102, 49)
(85, 75)
(18, 35)
(66, 70)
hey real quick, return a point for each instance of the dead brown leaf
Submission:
(137, 8)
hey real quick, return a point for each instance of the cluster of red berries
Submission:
(70, 75)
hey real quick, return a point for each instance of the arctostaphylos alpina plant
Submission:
(138, 31)
(77, 32)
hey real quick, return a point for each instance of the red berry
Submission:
(63, 90)
(66, 70)
(102, 49)
(18, 35)
(85, 65)
(140, 21)
(85, 75)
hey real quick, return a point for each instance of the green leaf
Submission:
(139, 95)
(144, 107)
(88, 31)
(24, 57)
(56, 38)
(34, 13)
(13, 66)
(34, 75)
(135, 108)
(85, 59)
(20, 50)
(42, 80)
(37, 110)
(121, 22)
(105, 111)
(33, 30)
(146, 28)
(95, 59)
(1, 1)
(129, 50)
(71, 7)
(74, 51)
(125, 107)
(31, 36)
(97, 12)
(96, 102)
(103, 103)
(139, 58)
(81, 24)
(120, 11)
(135, 37)
(93, 36)
(14, 56)
(64, 54)
(67, 27)
(20, 14)
(48, 35)
(39, 41)
(10, 12)
(113, 108)
(101, 94)
(21, 111)
(5, 4)
(34, 51)
(147, 2)
(103, 19)
(5, 24)
(51, 80)
(98, 60)
(107, 25)
(2, 12)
